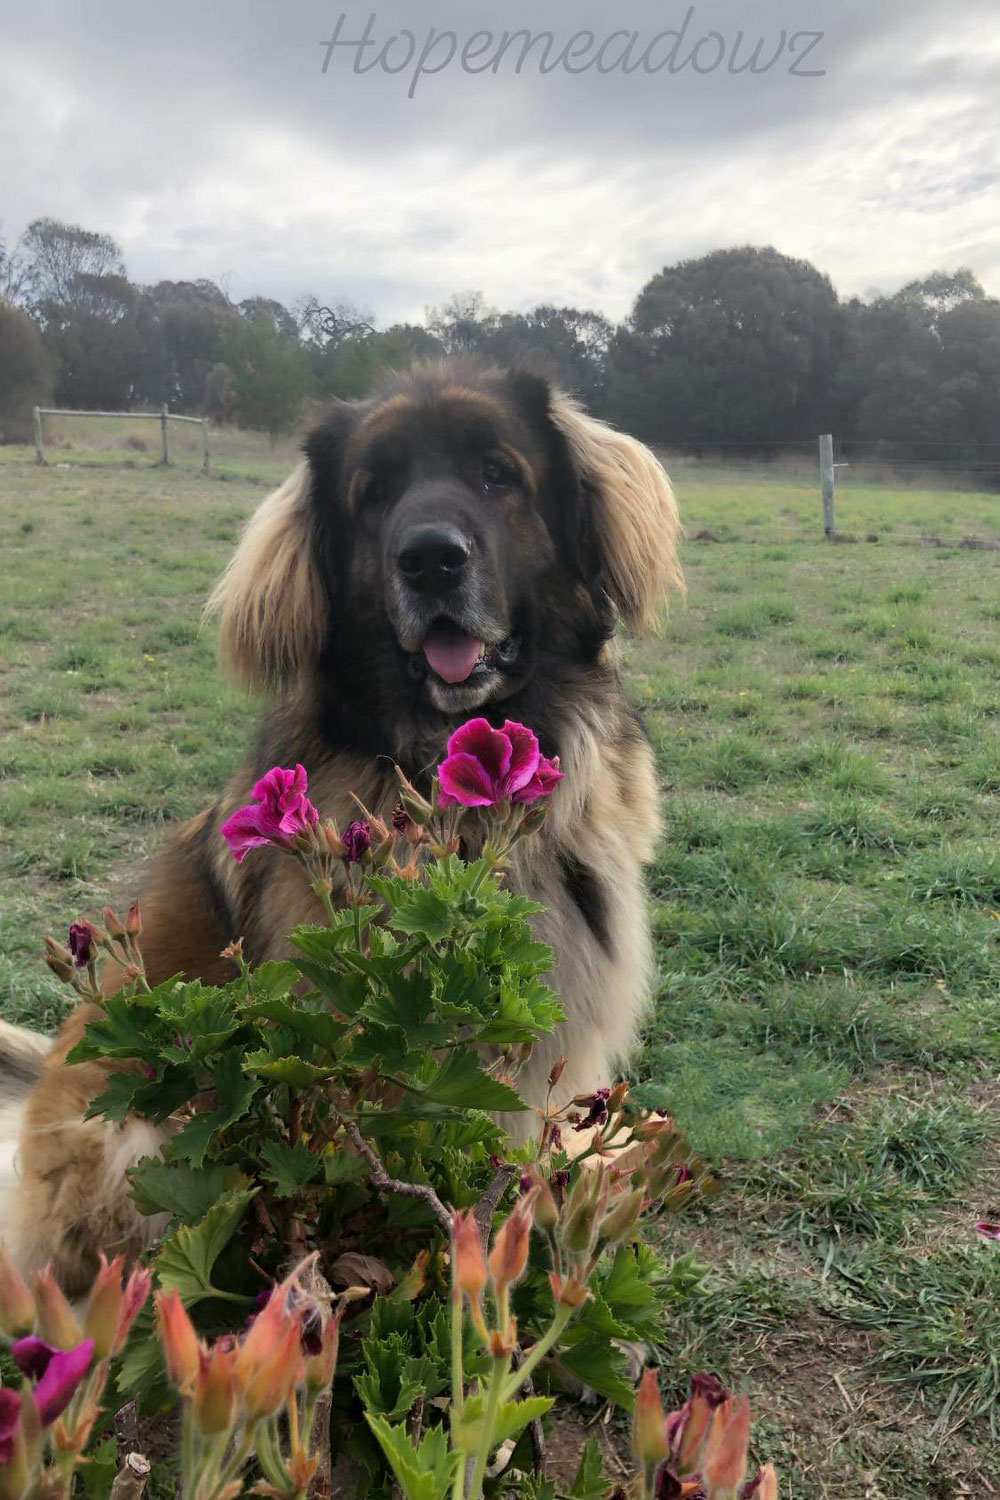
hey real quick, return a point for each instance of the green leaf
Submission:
(187, 1258)
(121, 1030)
(416, 909)
(511, 1420)
(294, 1072)
(235, 1094)
(182, 1191)
(317, 1027)
(461, 1081)
(392, 1379)
(595, 1361)
(423, 1471)
(292, 1166)
(591, 1482)
(134, 1093)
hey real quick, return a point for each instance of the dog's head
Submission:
(444, 540)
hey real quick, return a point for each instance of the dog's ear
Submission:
(270, 600)
(617, 513)
(630, 510)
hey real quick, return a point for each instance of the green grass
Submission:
(825, 898)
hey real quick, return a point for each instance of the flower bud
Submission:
(134, 1296)
(113, 923)
(509, 1256)
(649, 1443)
(213, 1402)
(725, 1459)
(503, 1342)
(567, 1291)
(617, 1097)
(179, 1340)
(546, 1208)
(17, 1306)
(469, 1267)
(321, 1367)
(56, 1318)
(617, 1224)
(101, 1318)
(83, 941)
(556, 1071)
(269, 1361)
(419, 809)
(133, 920)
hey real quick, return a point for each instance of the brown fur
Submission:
(586, 870)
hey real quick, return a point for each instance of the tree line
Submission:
(743, 349)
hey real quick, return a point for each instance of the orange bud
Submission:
(725, 1460)
(133, 920)
(179, 1340)
(649, 1442)
(556, 1071)
(101, 1318)
(17, 1306)
(269, 1361)
(213, 1403)
(617, 1097)
(56, 1319)
(568, 1292)
(113, 922)
(768, 1486)
(468, 1265)
(509, 1256)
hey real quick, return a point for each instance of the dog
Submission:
(465, 542)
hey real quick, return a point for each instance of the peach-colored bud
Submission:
(101, 1318)
(112, 921)
(509, 1256)
(556, 1071)
(768, 1487)
(269, 1361)
(617, 1097)
(567, 1291)
(725, 1460)
(331, 839)
(468, 1264)
(179, 1340)
(649, 1443)
(56, 1319)
(133, 920)
(17, 1306)
(546, 1208)
(213, 1402)
(134, 1295)
(321, 1367)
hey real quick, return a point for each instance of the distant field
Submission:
(827, 899)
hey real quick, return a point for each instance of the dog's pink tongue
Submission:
(452, 654)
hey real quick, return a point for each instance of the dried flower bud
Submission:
(418, 807)
(83, 939)
(556, 1071)
(233, 951)
(649, 1443)
(503, 1342)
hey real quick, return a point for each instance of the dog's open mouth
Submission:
(454, 655)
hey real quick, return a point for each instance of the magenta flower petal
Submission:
(524, 756)
(282, 810)
(10, 1412)
(66, 1369)
(357, 840)
(32, 1355)
(462, 778)
(987, 1230)
(242, 832)
(542, 782)
(491, 747)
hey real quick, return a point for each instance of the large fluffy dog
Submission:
(465, 542)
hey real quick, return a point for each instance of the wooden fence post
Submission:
(39, 450)
(204, 445)
(826, 481)
(165, 460)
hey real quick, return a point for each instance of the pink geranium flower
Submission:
(485, 766)
(10, 1411)
(58, 1372)
(280, 812)
(988, 1230)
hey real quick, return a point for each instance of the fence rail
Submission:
(163, 416)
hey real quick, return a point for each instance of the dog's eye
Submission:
(496, 474)
(374, 492)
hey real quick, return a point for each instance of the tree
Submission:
(25, 374)
(270, 374)
(736, 347)
(60, 259)
(181, 330)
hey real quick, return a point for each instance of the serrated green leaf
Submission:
(292, 1166)
(423, 1471)
(512, 1417)
(317, 1027)
(294, 1072)
(182, 1191)
(187, 1258)
(591, 1482)
(235, 1092)
(416, 909)
(595, 1361)
(461, 1081)
(134, 1093)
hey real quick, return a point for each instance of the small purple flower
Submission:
(988, 1230)
(357, 840)
(64, 1372)
(401, 819)
(32, 1356)
(311, 1331)
(597, 1108)
(81, 943)
(10, 1411)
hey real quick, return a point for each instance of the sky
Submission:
(230, 139)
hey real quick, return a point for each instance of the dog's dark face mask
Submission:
(455, 532)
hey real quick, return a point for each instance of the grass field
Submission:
(827, 901)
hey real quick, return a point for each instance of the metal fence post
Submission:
(826, 481)
(39, 450)
(204, 445)
(163, 434)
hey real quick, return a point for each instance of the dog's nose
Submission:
(433, 556)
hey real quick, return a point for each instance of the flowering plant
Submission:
(341, 1105)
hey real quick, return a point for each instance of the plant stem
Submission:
(493, 1399)
(538, 1353)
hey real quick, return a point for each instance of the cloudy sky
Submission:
(209, 140)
